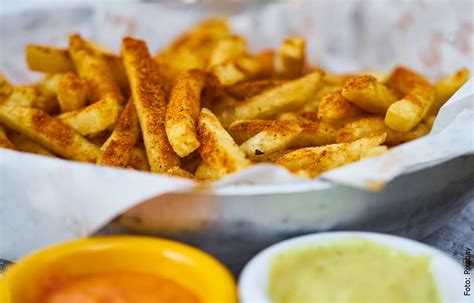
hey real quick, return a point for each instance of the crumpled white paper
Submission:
(44, 200)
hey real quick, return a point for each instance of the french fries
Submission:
(206, 106)
(366, 126)
(118, 148)
(218, 149)
(369, 94)
(183, 111)
(150, 104)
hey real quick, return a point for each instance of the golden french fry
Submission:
(335, 109)
(374, 151)
(405, 114)
(4, 140)
(48, 59)
(267, 61)
(206, 172)
(248, 89)
(270, 158)
(313, 103)
(94, 118)
(286, 97)
(179, 172)
(183, 111)
(31, 96)
(25, 144)
(243, 68)
(92, 66)
(227, 49)
(447, 86)
(312, 134)
(336, 79)
(149, 103)
(271, 139)
(138, 160)
(369, 94)
(118, 148)
(404, 80)
(218, 149)
(366, 126)
(305, 157)
(49, 132)
(72, 93)
(291, 58)
(348, 153)
(5, 88)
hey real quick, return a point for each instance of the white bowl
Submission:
(448, 274)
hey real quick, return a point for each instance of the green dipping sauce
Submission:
(351, 270)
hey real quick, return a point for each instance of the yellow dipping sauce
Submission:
(119, 287)
(351, 270)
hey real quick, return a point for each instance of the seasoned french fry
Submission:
(405, 114)
(183, 111)
(272, 157)
(267, 61)
(118, 148)
(305, 157)
(370, 125)
(291, 58)
(92, 66)
(206, 172)
(31, 96)
(5, 88)
(369, 94)
(4, 140)
(313, 133)
(72, 93)
(94, 118)
(245, 90)
(335, 109)
(179, 172)
(313, 103)
(49, 132)
(374, 151)
(227, 49)
(404, 80)
(289, 96)
(447, 86)
(271, 139)
(138, 160)
(348, 153)
(243, 68)
(48, 59)
(218, 149)
(149, 103)
(25, 144)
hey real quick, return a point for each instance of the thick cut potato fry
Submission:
(179, 172)
(405, 114)
(313, 103)
(5, 88)
(291, 58)
(348, 153)
(183, 111)
(227, 49)
(92, 66)
(367, 126)
(25, 144)
(218, 149)
(72, 93)
(305, 157)
(48, 59)
(374, 151)
(206, 172)
(334, 109)
(118, 148)
(243, 68)
(271, 139)
(245, 90)
(312, 134)
(150, 104)
(31, 96)
(369, 94)
(289, 96)
(94, 118)
(267, 61)
(138, 160)
(447, 86)
(49, 132)
(404, 80)
(4, 140)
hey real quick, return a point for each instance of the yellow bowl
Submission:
(183, 264)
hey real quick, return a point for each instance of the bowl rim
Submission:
(253, 280)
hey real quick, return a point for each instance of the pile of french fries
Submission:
(205, 106)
